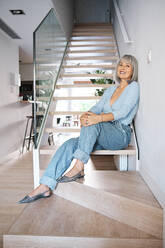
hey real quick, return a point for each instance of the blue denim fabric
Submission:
(105, 135)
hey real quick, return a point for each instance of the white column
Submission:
(123, 163)
(36, 167)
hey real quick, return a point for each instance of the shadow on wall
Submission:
(11, 127)
(16, 105)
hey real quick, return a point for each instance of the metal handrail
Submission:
(121, 22)
(136, 140)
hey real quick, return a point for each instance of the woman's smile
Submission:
(122, 72)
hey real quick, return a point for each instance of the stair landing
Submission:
(61, 222)
(59, 217)
(127, 184)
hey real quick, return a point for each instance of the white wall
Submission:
(26, 71)
(12, 113)
(64, 10)
(145, 21)
(91, 11)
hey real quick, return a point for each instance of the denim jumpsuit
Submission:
(112, 135)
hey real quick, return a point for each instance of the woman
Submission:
(104, 126)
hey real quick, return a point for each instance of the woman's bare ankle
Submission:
(80, 165)
(39, 190)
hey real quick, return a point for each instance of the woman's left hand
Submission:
(91, 119)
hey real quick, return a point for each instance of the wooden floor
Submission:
(16, 180)
(23, 225)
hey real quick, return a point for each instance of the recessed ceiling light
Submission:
(17, 11)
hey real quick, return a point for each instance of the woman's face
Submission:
(124, 70)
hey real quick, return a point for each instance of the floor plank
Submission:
(61, 217)
(16, 180)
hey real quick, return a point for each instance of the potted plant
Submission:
(100, 92)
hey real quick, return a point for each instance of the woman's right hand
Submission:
(83, 119)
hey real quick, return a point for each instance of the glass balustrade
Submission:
(49, 49)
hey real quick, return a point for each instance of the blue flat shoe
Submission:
(65, 179)
(28, 199)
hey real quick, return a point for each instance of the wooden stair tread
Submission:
(92, 51)
(101, 75)
(109, 58)
(77, 98)
(128, 184)
(46, 99)
(89, 66)
(62, 214)
(69, 98)
(122, 209)
(86, 34)
(56, 222)
(62, 130)
(78, 84)
(62, 113)
(93, 24)
(80, 242)
(92, 30)
(93, 40)
(93, 45)
(130, 150)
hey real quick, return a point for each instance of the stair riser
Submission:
(15, 241)
(127, 211)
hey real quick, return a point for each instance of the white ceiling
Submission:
(24, 25)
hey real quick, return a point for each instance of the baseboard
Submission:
(159, 195)
(8, 157)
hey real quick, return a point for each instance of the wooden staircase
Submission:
(99, 43)
(105, 209)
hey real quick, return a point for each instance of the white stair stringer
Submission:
(138, 215)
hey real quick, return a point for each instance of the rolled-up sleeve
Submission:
(131, 99)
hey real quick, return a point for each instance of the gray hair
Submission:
(133, 61)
